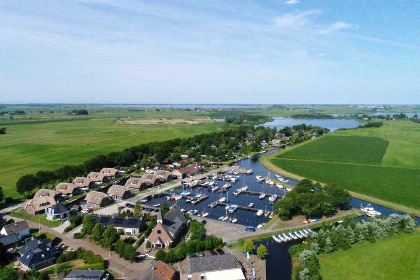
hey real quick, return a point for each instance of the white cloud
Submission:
(295, 19)
(292, 2)
(336, 26)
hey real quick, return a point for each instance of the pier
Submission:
(239, 206)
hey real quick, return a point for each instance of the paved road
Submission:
(117, 264)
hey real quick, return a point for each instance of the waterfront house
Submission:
(160, 271)
(20, 228)
(97, 199)
(37, 254)
(275, 142)
(164, 175)
(168, 229)
(135, 183)
(126, 225)
(118, 192)
(42, 199)
(187, 171)
(57, 212)
(215, 267)
(90, 274)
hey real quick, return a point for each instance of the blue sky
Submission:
(210, 51)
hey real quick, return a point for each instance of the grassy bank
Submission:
(27, 148)
(380, 163)
(392, 258)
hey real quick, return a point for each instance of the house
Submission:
(37, 254)
(21, 229)
(97, 199)
(126, 225)
(214, 267)
(160, 271)
(187, 171)
(82, 182)
(67, 189)
(135, 183)
(164, 175)
(118, 192)
(275, 142)
(168, 229)
(109, 173)
(77, 274)
(57, 212)
(43, 199)
(150, 179)
(10, 241)
(95, 177)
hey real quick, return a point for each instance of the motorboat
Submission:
(298, 234)
(186, 193)
(281, 238)
(271, 215)
(222, 199)
(205, 214)
(195, 212)
(270, 182)
(225, 218)
(260, 213)
(215, 188)
(236, 193)
(262, 196)
(221, 217)
(276, 239)
(226, 186)
(266, 214)
(286, 237)
(261, 225)
(183, 210)
(234, 220)
(178, 197)
(293, 236)
(302, 233)
(370, 211)
(251, 205)
(279, 186)
(272, 198)
(249, 171)
(232, 208)
(259, 178)
(156, 205)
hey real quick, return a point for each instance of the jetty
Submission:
(239, 206)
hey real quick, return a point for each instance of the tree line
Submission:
(312, 200)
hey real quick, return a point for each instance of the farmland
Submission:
(27, 148)
(392, 258)
(383, 162)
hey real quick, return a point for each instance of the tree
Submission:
(262, 251)
(88, 224)
(248, 245)
(137, 209)
(26, 184)
(110, 236)
(1, 194)
(97, 232)
(3, 130)
(164, 208)
(129, 252)
(304, 274)
(328, 248)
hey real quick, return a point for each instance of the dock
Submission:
(198, 200)
(239, 206)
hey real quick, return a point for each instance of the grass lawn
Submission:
(41, 218)
(352, 149)
(352, 159)
(28, 148)
(396, 257)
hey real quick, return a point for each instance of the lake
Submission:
(331, 124)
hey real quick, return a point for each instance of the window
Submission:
(158, 231)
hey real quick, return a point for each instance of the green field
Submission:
(396, 257)
(27, 148)
(352, 159)
(354, 149)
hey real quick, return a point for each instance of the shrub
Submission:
(78, 235)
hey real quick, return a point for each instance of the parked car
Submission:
(87, 210)
(250, 229)
(201, 254)
(129, 205)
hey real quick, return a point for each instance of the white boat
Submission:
(286, 237)
(260, 225)
(236, 193)
(302, 233)
(178, 197)
(195, 212)
(262, 196)
(249, 171)
(260, 213)
(298, 234)
(225, 218)
(251, 205)
(221, 217)
(213, 189)
(259, 178)
(226, 186)
(205, 214)
(281, 238)
(156, 205)
(186, 193)
(182, 210)
(244, 188)
(293, 236)
(190, 212)
(222, 199)
(270, 182)
(370, 211)
(279, 186)
(234, 220)
(306, 231)
(276, 239)
(272, 198)
(233, 179)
